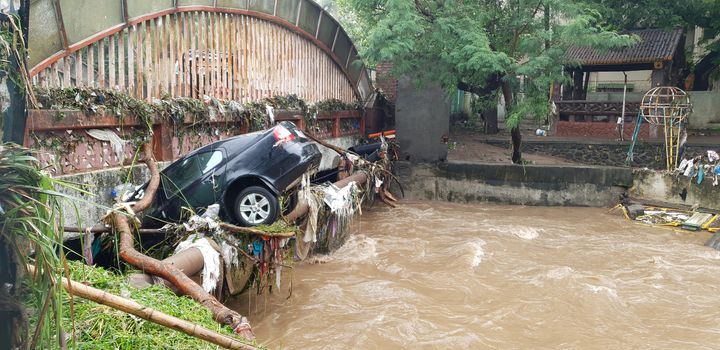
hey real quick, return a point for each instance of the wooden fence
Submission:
(196, 53)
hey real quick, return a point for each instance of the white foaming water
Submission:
(477, 253)
(524, 232)
(559, 273)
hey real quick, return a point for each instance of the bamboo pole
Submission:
(109, 229)
(134, 308)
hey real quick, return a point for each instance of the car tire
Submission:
(254, 206)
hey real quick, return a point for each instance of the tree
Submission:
(482, 46)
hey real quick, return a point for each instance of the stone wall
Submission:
(514, 184)
(607, 153)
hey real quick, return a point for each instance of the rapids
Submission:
(441, 275)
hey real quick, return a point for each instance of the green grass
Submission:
(101, 327)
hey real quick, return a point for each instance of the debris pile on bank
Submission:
(690, 219)
(701, 168)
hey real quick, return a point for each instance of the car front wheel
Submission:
(255, 205)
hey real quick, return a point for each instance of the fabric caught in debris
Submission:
(211, 259)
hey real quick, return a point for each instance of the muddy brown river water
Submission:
(431, 275)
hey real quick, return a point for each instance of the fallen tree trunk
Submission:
(149, 314)
(182, 282)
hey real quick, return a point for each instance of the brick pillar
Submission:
(162, 142)
(385, 81)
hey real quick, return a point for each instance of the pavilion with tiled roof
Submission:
(660, 51)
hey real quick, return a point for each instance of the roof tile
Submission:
(655, 45)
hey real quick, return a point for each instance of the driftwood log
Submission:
(128, 253)
(149, 314)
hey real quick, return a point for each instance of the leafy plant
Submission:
(30, 225)
(101, 327)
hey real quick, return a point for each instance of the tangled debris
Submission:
(692, 220)
(701, 168)
(255, 258)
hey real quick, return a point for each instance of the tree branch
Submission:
(424, 11)
(491, 85)
(518, 33)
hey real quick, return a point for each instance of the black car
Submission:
(244, 174)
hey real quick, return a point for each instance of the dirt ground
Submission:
(469, 147)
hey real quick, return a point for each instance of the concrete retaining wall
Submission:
(663, 187)
(515, 184)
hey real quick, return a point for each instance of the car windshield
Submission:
(189, 170)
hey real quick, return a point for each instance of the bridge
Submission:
(240, 50)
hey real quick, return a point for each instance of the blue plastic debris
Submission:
(258, 247)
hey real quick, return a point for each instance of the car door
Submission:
(196, 182)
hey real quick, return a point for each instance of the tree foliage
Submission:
(641, 14)
(482, 46)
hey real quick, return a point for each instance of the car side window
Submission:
(209, 160)
(191, 169)
(180, 176)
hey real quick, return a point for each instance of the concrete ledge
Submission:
(663, 187)
(564, 185)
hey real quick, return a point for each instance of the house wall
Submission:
(706, 109)
(639, 79)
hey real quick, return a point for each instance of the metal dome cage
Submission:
(670, 107)
(665, 105)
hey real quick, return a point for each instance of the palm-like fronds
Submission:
(30, 224)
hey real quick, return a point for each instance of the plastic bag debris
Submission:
(712, 156)
(118, 144)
